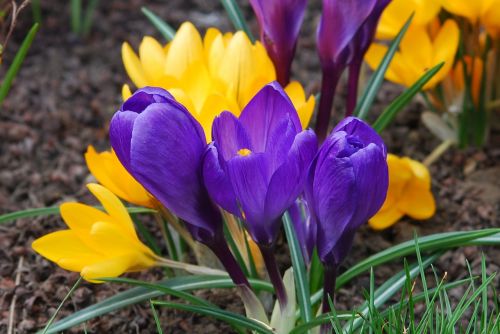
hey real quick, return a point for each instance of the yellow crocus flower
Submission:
(109, 172)
(209, 75)
(473, 10)
(409, 193)
(418, 53)
(97, 243)
(398, 12)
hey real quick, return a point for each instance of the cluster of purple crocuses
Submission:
(255, 167)
(345, 31)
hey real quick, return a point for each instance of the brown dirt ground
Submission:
(62, 101)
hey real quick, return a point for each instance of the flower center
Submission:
(244, 152)
(353, 144)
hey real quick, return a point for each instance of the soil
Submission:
(62, 101)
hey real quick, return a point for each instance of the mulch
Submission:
(62, 101)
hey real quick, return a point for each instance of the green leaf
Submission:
(299, 271)
(231, 318)
(155, 316)
(373, 86)
(431, 243)
(76, 16)
(141, 294)
(87, 19)
(17, 62)
(402, 100)
(54, 210)
(163, 27)
(236, 17)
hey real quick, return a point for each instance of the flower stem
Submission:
(329, 84)
(328, 292)
(221, 250)
(352, 87)
(274, 274)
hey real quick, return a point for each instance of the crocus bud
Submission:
(162, 145)
(280, 22)
(346, 26)
(347, 185)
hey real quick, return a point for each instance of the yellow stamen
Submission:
(244, 152)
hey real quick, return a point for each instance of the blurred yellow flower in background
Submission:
(109, 172)
(409, 193)
(419, 51)
(209, 75)
(474, 10)
(398, 11)
(97, 244)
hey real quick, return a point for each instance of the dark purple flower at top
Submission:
(347, 185)
(280, 22)
(162, 146)
(345, 28)
(257, 165)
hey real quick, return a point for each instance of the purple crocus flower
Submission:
(345, 31)
(280, 22)
(347, 185)
(162, 145)
(257, 165)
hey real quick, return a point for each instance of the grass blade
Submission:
(231, 318)
(299, 271)
(70, 292)
(155, 316)
(87, 19)
(402, 100)
(142, 294)
(373, 86)
(236, 17)
(17, 62)
(54, 210)
(163, 27)
(76, 16)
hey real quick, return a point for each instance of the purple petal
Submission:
(144, 97)
(217, 181)
(120, 135)
(265, 112)
(356, 127)
(339, 24)
(288, 180)
(249, 178)
(166, 151)
(229, 135)
(280, 22)
(334, 200)
(372, 181)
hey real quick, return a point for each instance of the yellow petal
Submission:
(196, 83)
(152, 58)
(183, 98)
(467, 8)
(80, 217)
(133, 66)
(214, 105)
(374, 57)
(126, 92)
(112, 267)
(417, 48)
(185, 49)
(491, 17)
(67, 250)
(385, 218)
(399, 175)
(421, 176)
(305, 109)
(108, 170)
(114, 207)
(417, 203)
(445, 47)
(115, 241)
